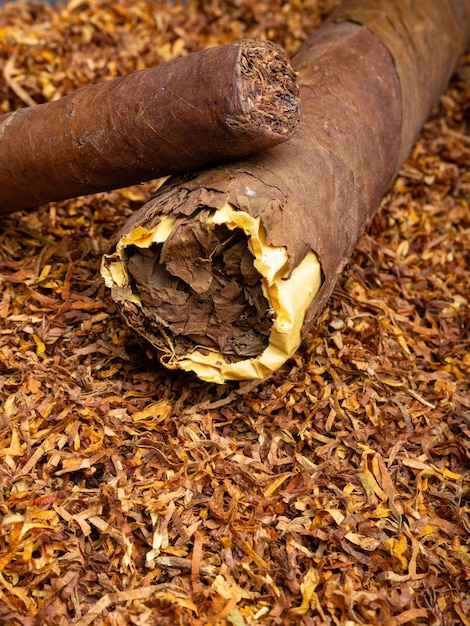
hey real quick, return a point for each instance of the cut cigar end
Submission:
(232, 311)
(268, 95)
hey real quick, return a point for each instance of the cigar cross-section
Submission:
(210, 293)
(214, 105)
(225, 272)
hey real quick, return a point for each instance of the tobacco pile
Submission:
(334, 492)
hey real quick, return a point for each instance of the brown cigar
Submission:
(225, 272)
(217, 104)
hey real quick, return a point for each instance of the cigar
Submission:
(208, 107)
(225, 272)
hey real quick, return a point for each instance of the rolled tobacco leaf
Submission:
(225, 271)
(221, 103)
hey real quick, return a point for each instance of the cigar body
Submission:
(210, 106)
(369, 78)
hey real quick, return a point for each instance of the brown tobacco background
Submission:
(335, 490)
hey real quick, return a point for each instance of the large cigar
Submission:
(217, 104)
(225, 272)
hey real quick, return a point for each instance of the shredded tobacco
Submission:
(335, 492)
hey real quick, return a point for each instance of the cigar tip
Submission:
(268, 95)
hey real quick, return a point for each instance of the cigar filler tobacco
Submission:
(226, 270)
(224, 102)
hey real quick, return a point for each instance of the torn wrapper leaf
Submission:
(275, 305)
